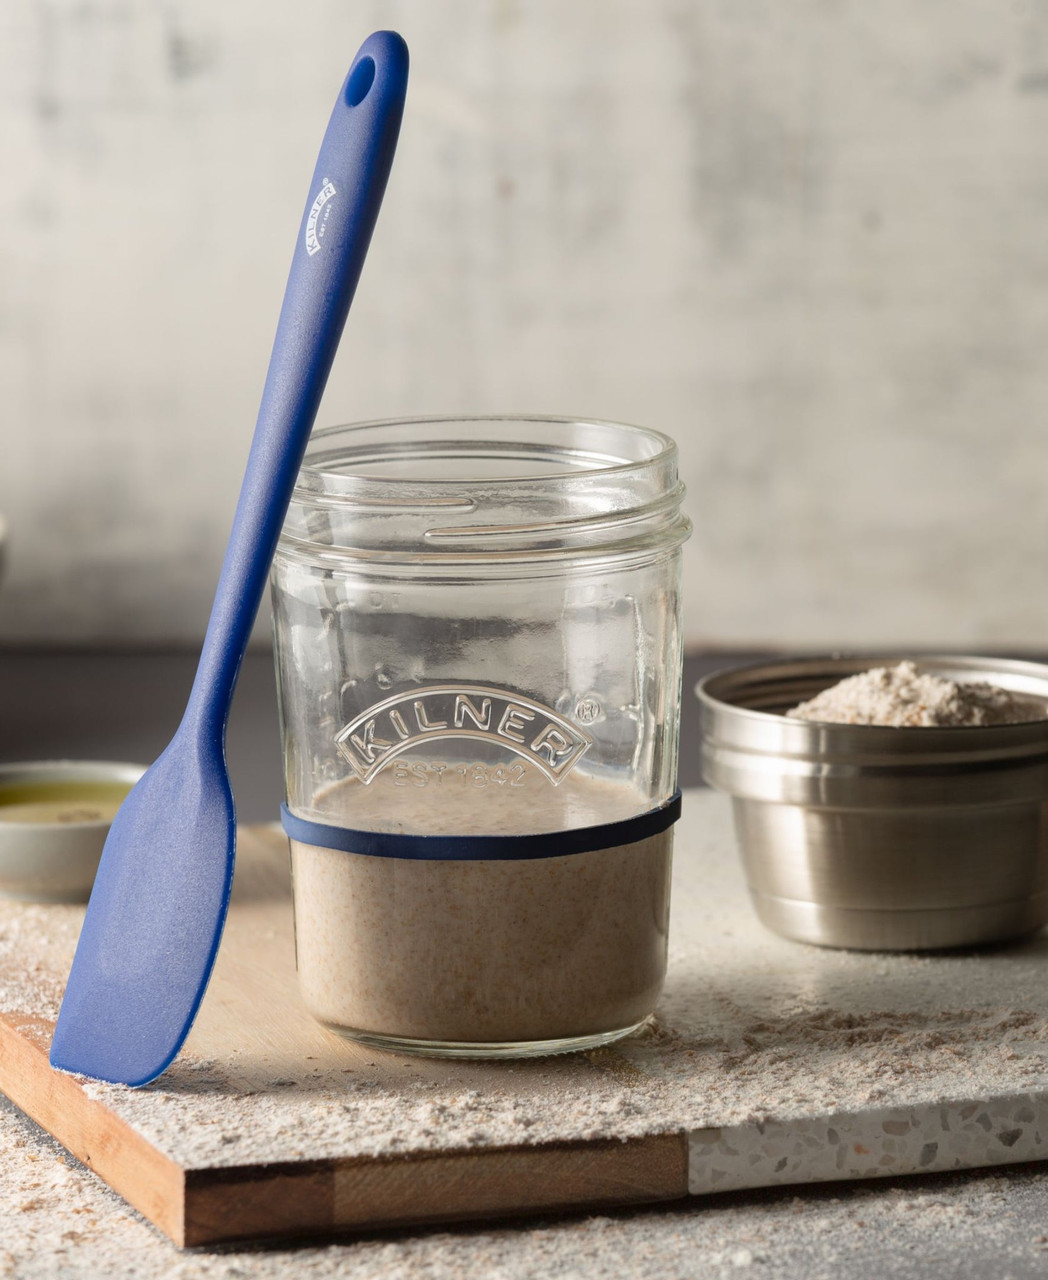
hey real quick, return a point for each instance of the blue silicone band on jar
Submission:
(551, 844)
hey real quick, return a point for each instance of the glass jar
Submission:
(477, 626)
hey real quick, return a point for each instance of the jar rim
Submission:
(324, 473)
(490, 489)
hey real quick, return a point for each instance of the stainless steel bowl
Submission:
(882, 839)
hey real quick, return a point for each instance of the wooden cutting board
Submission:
(769, 1063)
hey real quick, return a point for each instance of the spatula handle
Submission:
(343, 203)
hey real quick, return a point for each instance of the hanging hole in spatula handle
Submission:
(360, 80)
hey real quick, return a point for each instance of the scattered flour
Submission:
(58, 1222)
(750, 1028)
(902, 696)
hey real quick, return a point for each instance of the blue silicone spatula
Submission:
(155, 917)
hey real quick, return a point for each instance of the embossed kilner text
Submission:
(529, 729)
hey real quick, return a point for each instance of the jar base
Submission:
(490, 1049)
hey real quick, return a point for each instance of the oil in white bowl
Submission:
(62, 801)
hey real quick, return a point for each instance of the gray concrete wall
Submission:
(810, 240)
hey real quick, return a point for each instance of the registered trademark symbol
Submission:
(587, 710)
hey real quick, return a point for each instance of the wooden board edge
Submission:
(319, 1198)
(146, 1178)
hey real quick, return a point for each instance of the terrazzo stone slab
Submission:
(880, 1143)
(768, 1063)
(855, 1065)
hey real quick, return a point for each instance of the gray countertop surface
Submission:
(58, 1220)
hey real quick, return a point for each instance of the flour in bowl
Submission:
(904, 697)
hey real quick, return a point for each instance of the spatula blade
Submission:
(153, 924)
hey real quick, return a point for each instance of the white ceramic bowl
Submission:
(55, 861)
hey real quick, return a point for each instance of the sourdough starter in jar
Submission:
(502, 952)
(478, 647)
